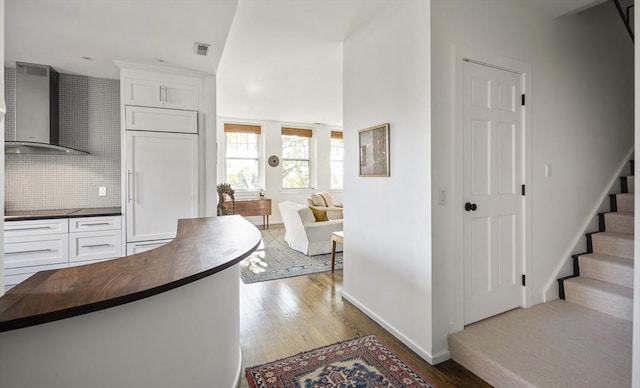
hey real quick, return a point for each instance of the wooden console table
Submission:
(252, 207)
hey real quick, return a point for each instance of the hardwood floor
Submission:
(280, 318)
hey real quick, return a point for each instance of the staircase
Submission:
(603, 276)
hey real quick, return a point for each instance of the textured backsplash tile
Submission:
(90, 121)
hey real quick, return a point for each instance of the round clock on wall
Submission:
(274, 161)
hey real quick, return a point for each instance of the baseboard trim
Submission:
(239, 374)
(428, 357)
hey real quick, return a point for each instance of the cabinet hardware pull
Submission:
(160, 93)
(30, 251)
(149, 244)
(166, 94)
(30, 228)
(95, 224)
(96, 245)
(129, 186)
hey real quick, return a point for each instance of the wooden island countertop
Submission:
(202, 247)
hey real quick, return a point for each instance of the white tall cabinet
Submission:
(162, 152)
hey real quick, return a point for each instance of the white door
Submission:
(494, 204)
(162, 183)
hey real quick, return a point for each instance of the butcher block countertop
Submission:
(202, 247)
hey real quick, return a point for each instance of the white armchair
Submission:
(303, 233)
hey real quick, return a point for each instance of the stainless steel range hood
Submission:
(37, 113)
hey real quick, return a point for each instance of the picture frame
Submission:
(374, 151)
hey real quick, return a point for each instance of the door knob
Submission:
(470, 206)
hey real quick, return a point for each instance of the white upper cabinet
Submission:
(161, 94)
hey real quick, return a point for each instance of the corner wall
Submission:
(581, 107)
(387, 270)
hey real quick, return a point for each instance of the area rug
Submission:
(275, 260)
(361, 362)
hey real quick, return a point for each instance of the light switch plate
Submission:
(102, 191)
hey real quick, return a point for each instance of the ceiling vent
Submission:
(202, 49)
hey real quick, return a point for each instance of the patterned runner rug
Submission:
(275, 260)
(361, 362)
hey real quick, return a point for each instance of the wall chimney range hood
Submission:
(37, 113)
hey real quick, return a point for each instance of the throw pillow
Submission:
(327, 199)
(320, 215)
(318, 200)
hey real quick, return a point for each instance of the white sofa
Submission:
(303, 233)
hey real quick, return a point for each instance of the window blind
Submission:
(336, 134)
(242, 128)
(297, 132)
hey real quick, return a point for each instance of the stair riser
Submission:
(612, 246)
(624, 203)
(618, 223)
(616, 305)
(614, 273)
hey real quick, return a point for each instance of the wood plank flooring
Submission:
(280, 318)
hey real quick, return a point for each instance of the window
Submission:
(296, 160)
(242, 156)
(337, 163)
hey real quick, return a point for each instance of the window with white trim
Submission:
(242, 156)
(296, 158)
(337, 160)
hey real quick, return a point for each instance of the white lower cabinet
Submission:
(32, 246)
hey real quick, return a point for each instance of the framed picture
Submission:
(374, 150)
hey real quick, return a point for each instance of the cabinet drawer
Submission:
(28, 251)
(87, 224)
(14, 276)
(95, 245)
(162, 120)
(35, 227)
(143, 246)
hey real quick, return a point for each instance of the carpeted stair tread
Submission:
(600, 296)
(613, 244)
(631, 184)
(620, 222)
(624, 202)
(611, 269)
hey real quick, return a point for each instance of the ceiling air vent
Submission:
(202, 49)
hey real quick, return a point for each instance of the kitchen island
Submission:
(168, 317)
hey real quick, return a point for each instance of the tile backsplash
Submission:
(90, 121)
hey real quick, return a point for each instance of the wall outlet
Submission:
(102, 191)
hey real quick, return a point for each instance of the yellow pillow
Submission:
(320, 215)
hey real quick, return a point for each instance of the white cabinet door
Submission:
(181, 96)
(162, 183)
(143, 92)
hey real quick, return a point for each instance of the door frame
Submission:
(461, 54)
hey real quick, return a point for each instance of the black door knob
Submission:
(470, 206)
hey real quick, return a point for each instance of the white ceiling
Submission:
(282, 59)
(60, 32)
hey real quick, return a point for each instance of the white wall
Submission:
(387, 270)
(2, 142)
(581, 107)
(272, 145)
